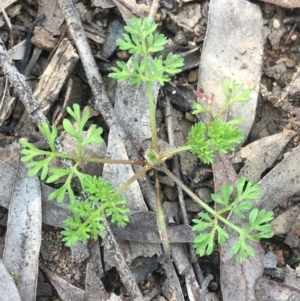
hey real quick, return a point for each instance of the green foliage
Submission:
(258, 221)
(144, 41)
(217, 136)
(231, 88)
(198, 108)
(31, 152)
(88, 216)
(232, 92)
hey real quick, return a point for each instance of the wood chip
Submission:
(53, 78)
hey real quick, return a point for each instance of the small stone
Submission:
(114, 32)
(147, 284)
(190, 117)
(280, 258)
(44, 289)
(170, 193)
(122, 55)
(276, 24)
(276, 71)
(270, 260)
(290, 63)
(204, 194)
(294, 37)
(213, 285)
(193, 76)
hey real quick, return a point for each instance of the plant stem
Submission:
(222, 111)
(99, 160)
(144, 169)
(169, 153)
(198, 200)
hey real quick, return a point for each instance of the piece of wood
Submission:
(53, 78)
(21, 86)
(43, 39)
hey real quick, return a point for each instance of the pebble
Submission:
(193, 76)
(115, 31)
(122, 55)
(276, 23)
(270, 260)
(290, 63)
(44, 289)
(190, 117)
(276, 71)
(204, 194)
(167, 4)
(213, 285)
(147, 284)
(294, 37)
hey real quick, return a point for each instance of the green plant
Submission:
(205, 139)
(256, 229)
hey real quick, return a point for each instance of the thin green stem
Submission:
(223, 109)
(98, 160)
(169, 153)
(133, 178)
(198, 200)
(93, 216)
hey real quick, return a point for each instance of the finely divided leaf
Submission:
(197, 108)
(94, 135)
(216, 198)
(226, 192)
(69, 128)
(225, 88)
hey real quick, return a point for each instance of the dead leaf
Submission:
(244, 274)
(261, 154)
(23, 236)
(268, 290)
(283, 222)
(94, 288)
(8, 289)
(233, 48)
(65, 290)
(142, 227)
(281, 182)
(54, 17)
